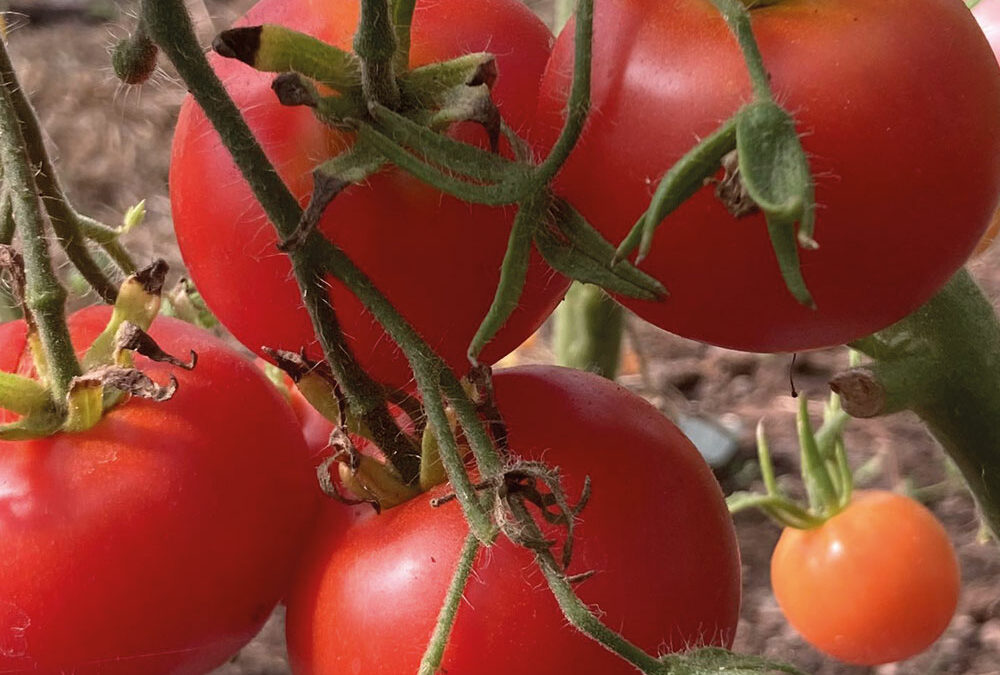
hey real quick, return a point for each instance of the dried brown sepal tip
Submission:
(297, 365)
(730, 189)
(132, 338)
(239, 43)
(13, 275)
(861, 393)
(486, 73)
(292, 90)
(153, 276)
(130, 381)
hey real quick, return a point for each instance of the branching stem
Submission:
(45, 297)
(170, 27)
(71, 228)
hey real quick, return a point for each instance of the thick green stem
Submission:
(45, 297)
(170, 27)
(402, 19)
(943, 363)
(588, 331)
(69, 226)
(375, 45)
(431, 662)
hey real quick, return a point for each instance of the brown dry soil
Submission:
(111, 144)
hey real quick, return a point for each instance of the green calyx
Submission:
(107, 378)
(827, 477)
(766, 170)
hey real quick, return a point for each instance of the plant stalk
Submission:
(45, 297)
(943, 363)
(430, 664)
(375, 44)
(170, 27)
(68, 225)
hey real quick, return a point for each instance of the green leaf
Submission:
(513, 272)
(571, 246)
(775, 173)
(680, 182)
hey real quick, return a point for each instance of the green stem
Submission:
(577, 612)
(737, 16)
(588, 331)
(430, 373)
(402, 19)
(943, 363)
(68, 225)
(45, 296)
(579, 96)
(170, 27)
(431, 662)
(375, 45)
(487, 459)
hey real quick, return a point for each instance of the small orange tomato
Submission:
(876, 583)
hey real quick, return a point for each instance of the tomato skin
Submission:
(159, 540)
(436, 258)
(896, 103)
(877, 583)
(656, 530)
(987, 13)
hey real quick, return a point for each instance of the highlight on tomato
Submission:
(436, 258)
(160, 539)
(895, 104)
(655, 533)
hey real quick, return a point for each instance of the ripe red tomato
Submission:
(987, 13)
(436, 258)
(897, 105)
(876, 583)
(656, 532)
(159, 540)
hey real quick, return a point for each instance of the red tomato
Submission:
(876, 583)
(656, 531)
(159, 540)
(987, 13)
(897, 105)
(436, 258)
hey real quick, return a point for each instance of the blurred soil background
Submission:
(111, 143)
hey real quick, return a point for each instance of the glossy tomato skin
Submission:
(877, 583)
(987, 14)
(436, 258)
(896, 103)
(159, 540)
(656, 531)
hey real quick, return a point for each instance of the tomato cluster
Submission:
(200, 511)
